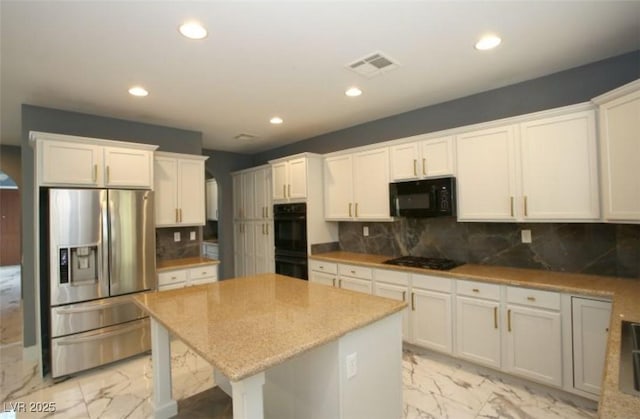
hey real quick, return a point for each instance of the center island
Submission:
(283, 347)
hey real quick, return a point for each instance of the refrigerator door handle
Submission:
(103, 246)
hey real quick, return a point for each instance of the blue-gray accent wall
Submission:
(568, 87)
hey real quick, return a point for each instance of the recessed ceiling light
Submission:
(193, 30)
(138, 91)
(353, 92)
(276, 120)
(488, 42)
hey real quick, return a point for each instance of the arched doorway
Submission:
(10, 258)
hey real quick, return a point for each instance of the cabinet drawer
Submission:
(478, 289)
(391, 277)
(207, 280)
(432, 283)
(172, 277)
(533, 298)
(207, 271)
(321, 266)
(355, 271)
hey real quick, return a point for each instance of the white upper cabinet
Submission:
(290, 179)
(78, 161)
(544, 169)
(252, 194)
(180, 189)
(357, 186)
(422, 158)
(486, 174)
(619, 117)
(559, 168)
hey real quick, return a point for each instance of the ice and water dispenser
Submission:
(78, 265)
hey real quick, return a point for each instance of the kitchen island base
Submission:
(358, 375)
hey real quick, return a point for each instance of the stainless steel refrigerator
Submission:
(101, 252)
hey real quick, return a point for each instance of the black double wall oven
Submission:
(290, 228)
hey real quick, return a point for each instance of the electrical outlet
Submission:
(365, 231)
(526, 236)
(352, 365)
(192, 235)
(176, 236)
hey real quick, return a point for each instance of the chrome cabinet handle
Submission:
(284, 191)
(107, 174)
(424, 166)
(512, 199)
(356, 210)
(495, 317)
(413, 301)
(339, 283)
(509, 320)
(177, 219)
(475, 290)
(526, 210)
(531, 298)
(350, 209)
(404, 296)
(415, 170)
(289, 193)
(334, 282)
(95, 172)
(180, 214)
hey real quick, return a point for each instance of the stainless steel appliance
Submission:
(290, 228)
(423, 198)
(630, 358)
(101, 250)
(439, 264)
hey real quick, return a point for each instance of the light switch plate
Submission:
(365, 231)
(192, 235)
(352, 365)
(526, 236)
(176, 236)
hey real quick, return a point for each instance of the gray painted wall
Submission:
(220, 165)
(568, 87)
(36, 118)
(10, 162)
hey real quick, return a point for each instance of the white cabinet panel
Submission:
(534, 344)
(128, 168)
(211, 193)
(355, 284)
(486, 174)
(290, 180)
(620, 155)
(437, 157)
(399, 293)
(322, 278)
(590, 332)
(179, 278)
(338, 187)
(191, 191)
(166, 186)
(559, 168)
(478, 330)
(404, 161)
(432, 325)
(68, 163)
(297, 178)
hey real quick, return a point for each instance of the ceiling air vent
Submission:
(244, 137)
(373, 65)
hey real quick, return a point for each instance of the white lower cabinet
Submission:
(180, 278)
(394, 285)
(432, 325)
(478, 330)
(325, 273)
(534, 335)
(590, 327)
(355, 278)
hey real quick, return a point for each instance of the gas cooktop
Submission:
(438, 264)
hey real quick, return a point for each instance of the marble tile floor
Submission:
(10, 305)
(434, 387)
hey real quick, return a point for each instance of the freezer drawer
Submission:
(79, 352)
(82, 317)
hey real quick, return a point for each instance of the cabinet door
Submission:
(399, 293)
(590, 332)
(431, 317)
(297, 187)
(486, 174)
(264, 247)
(534, 344)
(238, 197)
(559, 168)
(478, 331)
(371, 184)
(191, 191)
(249, 196)
(279, 173)
(66, 163)
(243, 248)
(166, 191)
(620, 157)
(322, 278)
(338, 187)
(404, 161)
(262, 188)
(212, 199)
(355, 284)
(128, 168)
(436, 157)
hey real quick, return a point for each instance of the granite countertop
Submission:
(246, 325)
(192, 262)
(625, 294)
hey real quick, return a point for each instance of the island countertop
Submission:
(625, 294)
(246, 325)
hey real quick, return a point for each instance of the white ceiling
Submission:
(265, 58)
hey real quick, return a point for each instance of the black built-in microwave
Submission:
(423, 198)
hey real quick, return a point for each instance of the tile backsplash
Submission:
(167, 248)
(594, 248)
